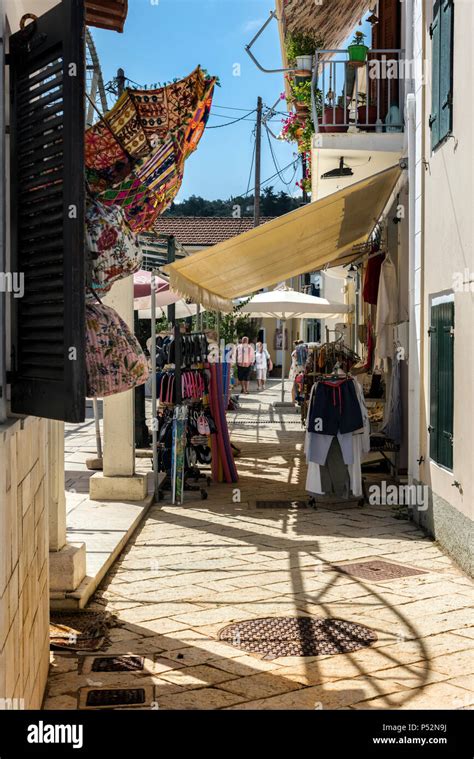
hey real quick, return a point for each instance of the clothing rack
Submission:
(178, 371)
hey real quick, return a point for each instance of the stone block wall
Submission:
(24, 577)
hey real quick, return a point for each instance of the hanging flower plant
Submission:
(292, 128)
(305, 183)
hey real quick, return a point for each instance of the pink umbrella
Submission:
(142, 291)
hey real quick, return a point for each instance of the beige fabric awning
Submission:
(304, 240)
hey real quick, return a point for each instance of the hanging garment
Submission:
(334, 408)
(352, 446)
(372, 279)
(387, 309)
(111, 246)
(392, 424)
(334, 473)
(114, 359)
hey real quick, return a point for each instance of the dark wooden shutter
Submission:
(442, 35)
(442, 383)
(47, 214)
(446, 69)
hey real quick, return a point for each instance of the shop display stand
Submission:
(177, 481)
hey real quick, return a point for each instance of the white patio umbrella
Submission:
(286, 303)
(183, 310)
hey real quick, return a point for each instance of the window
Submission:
(441, 334)
(441, 32)
(47, 66)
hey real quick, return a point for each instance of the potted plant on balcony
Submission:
(301, 97)
(334, 118)
(366, 114)
(357, 50)
(300, 49)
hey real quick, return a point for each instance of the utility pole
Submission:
(304, 167)
(258, 154)
(120, 82)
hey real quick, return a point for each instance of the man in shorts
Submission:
(245, 355)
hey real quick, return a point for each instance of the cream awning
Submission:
(304, 240)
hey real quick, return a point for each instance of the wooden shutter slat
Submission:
(47, 160)
(41, 126)
(44, 179)
(28, 110)
(31, 159)
(27, 97)
(29, 80)
(55, 138)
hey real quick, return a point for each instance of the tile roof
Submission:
(333, 20)
(106, 14)
(204, 230)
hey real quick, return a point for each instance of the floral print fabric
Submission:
(114, 359)
(112, 247)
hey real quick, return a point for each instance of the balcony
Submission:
(372, 92)
(357, 110)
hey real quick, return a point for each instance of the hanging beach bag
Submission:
(114, 358)
(203, 424)
(112, 248)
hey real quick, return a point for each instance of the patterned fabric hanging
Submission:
(115, 361)
(112, 248)
(169, 108)
(135, 155)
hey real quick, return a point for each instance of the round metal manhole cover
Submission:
(297, 636)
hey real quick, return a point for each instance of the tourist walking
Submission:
(245, 355)
(263, 364)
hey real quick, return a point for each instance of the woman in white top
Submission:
(262, 361)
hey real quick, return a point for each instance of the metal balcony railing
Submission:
(368, 96)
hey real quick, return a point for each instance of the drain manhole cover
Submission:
(378, 570)
(116, 697)
(118, 663)
(281, 504)
(297, 636)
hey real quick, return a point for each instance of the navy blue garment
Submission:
(334, 408)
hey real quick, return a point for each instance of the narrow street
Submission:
(190, 571)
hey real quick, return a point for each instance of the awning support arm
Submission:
(252, 42)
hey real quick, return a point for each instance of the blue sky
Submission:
(168, 40)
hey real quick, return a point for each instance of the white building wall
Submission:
(444, 256)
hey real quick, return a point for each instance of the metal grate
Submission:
(378, 570)
(297, 636)
(116, 697)
(281, 504)
(126, 663)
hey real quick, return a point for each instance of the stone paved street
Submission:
(189, 571)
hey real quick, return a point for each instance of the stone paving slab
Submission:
(192, 570)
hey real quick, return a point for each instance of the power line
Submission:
(229, 123)
(276, 165)
(225, 116)
(265, 181)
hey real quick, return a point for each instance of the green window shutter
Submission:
(442, 383)
(446, 69)
(435, 32)
(433, 428)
